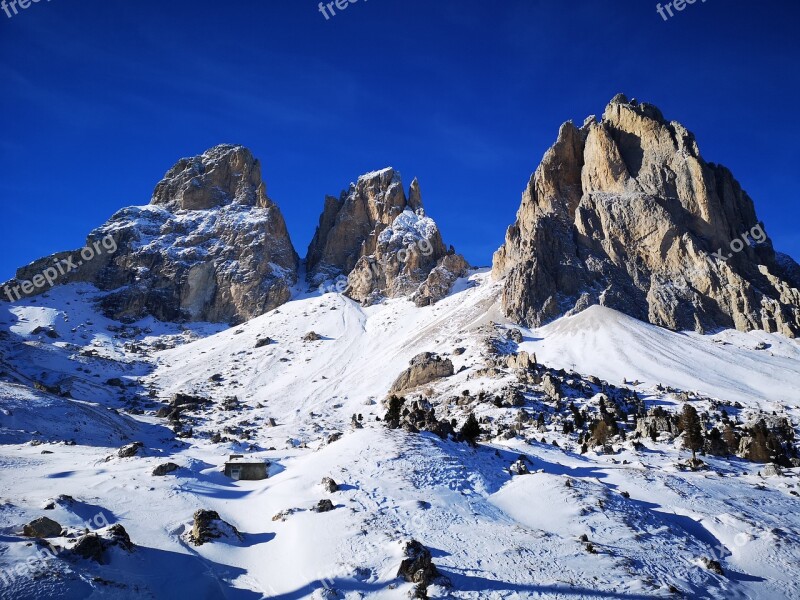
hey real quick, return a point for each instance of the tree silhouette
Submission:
(470, 430)
(693, 432)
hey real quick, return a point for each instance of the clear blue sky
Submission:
(99, 98)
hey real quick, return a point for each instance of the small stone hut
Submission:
(238, 467)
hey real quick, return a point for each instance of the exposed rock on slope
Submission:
(383, 242)
(210, 246)
(624, 212)
(425, 367)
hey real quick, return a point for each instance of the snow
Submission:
(603, 341)
(378, 173)
(494, 536)
(408, 229)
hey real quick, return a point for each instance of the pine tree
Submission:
(471, 430)
(693, 432)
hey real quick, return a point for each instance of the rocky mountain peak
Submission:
(383, 242)
(210, 246)
(626, 213)
(349, 225)
(222, 175)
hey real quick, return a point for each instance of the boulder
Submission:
(551, 386)
(42, 528)
(89, 546)
(209, 526)
(520, 360)
(425, 368)
(130, 450)
(265, 341)
(329, 485)
(164, 469)
(519, 468)
(323, 506)
(417, 565)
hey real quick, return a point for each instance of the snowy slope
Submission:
(727, 365)
(648, 523)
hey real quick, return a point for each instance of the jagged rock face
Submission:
(383, 242)
(211, 246)
(348, 227)
(625, 212)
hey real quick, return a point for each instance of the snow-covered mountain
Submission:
(418, 440)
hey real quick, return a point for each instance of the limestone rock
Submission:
(520, 360)
(383, 242)
(93, 546)
(329, 485)
(210, 246)
(417, 565)
(425, 367)
(164, 469)
(348, 227)
(130, 450)
(551, 386)
(42, 528)
(209, 526)
(323, 506)
(89, 546)
(440, 280)
(624, 212)
(656, 423)
(519, 468)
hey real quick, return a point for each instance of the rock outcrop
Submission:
(383, 242)
(624, 212)
(210, 246)
(417, 566)
(208, 526)
(42, 528)
(425, 368)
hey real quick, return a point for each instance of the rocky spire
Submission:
(625, 212)
(383, 242)
(348, 227)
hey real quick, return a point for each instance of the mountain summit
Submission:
(383, 242)
(624, 212)
(210, 246)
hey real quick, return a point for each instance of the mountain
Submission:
(210, 246)
(418, 441)
(383, 242)
(624, 212)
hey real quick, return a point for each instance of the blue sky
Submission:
(99, 98)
